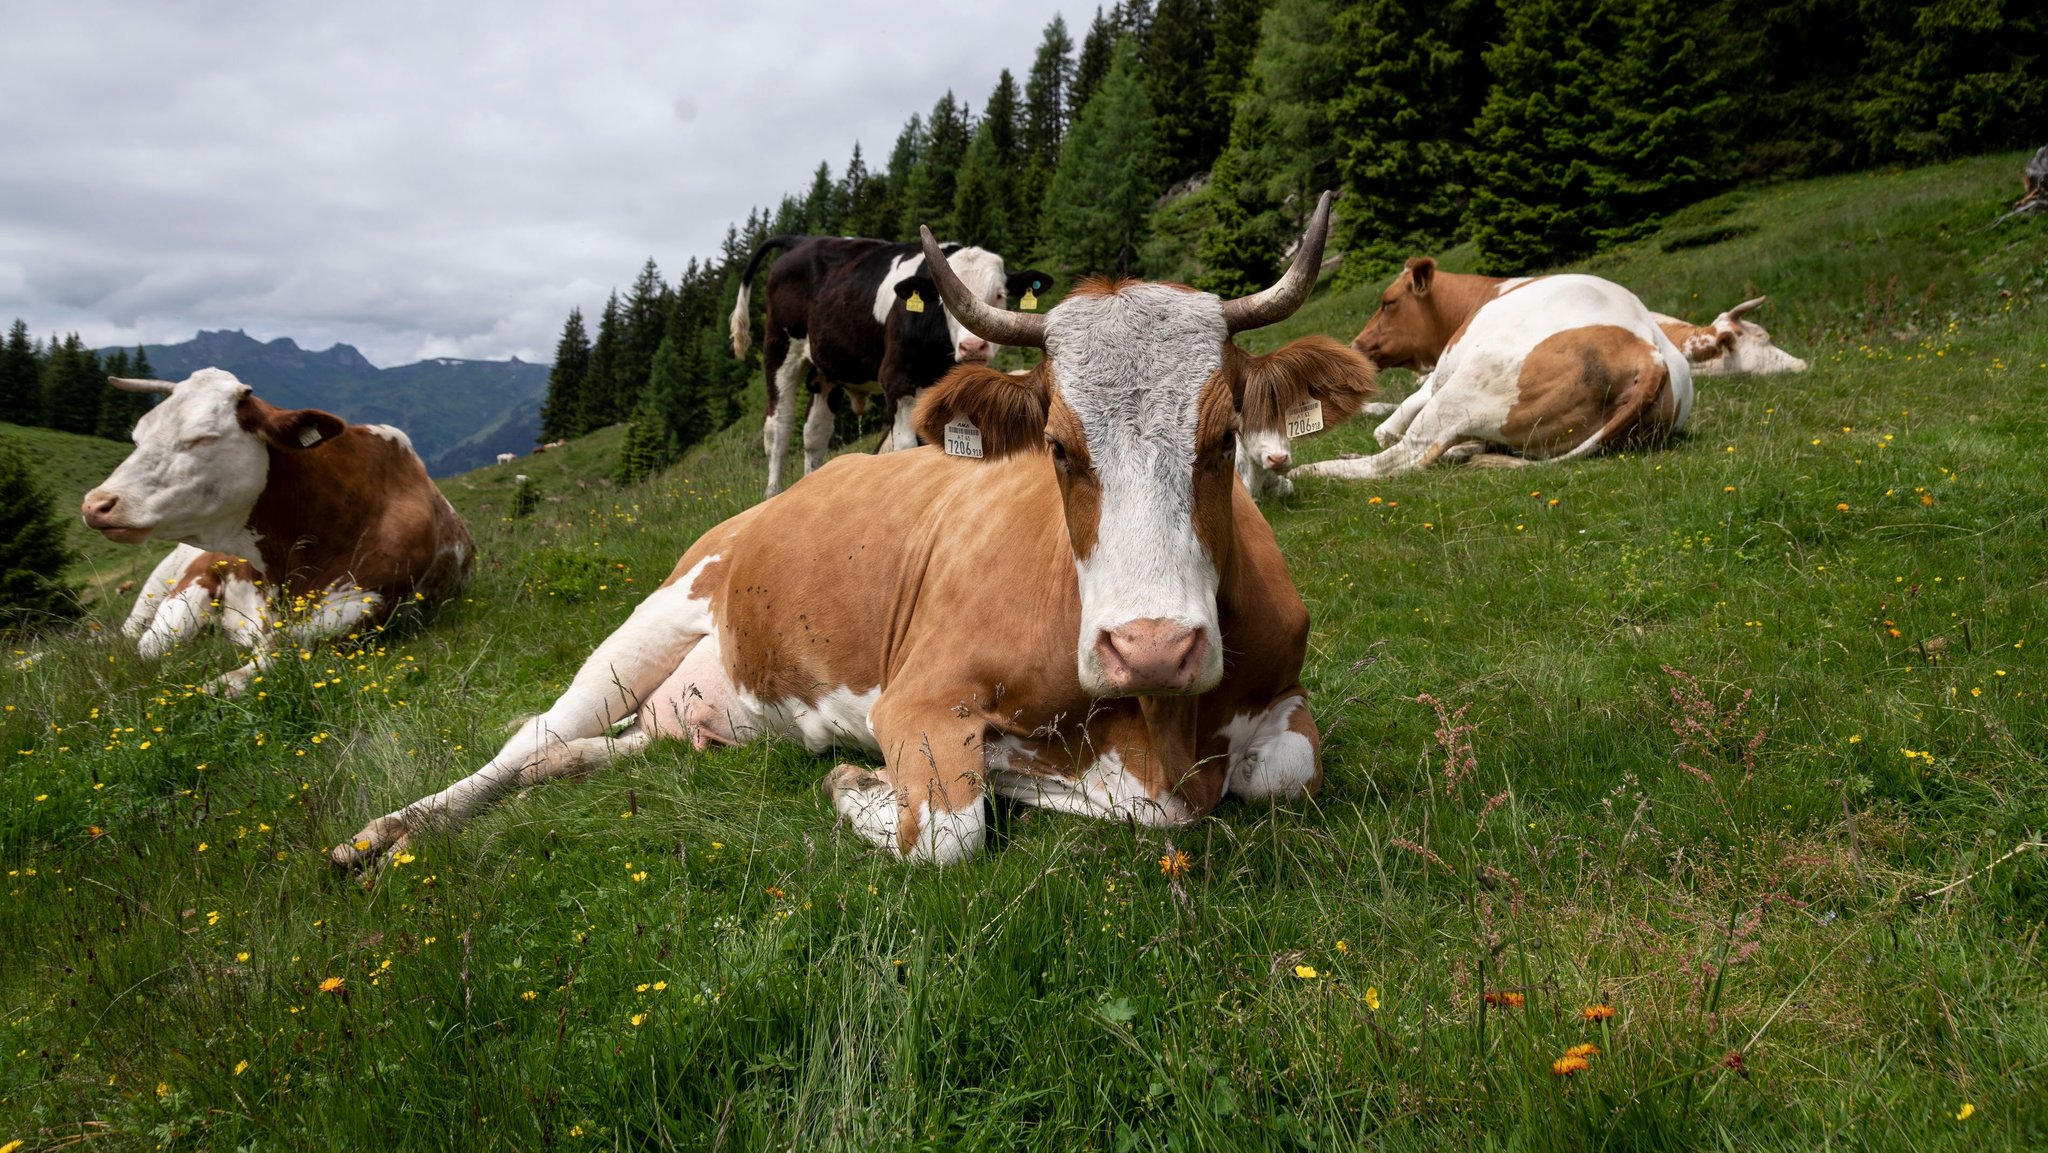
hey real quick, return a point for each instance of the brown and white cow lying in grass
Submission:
(1546, 367)
(1730, 346)
(1066, 599)
(328, 525)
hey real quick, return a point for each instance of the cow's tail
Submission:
(1651, 384)
(741, 325)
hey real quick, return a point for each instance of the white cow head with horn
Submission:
(1731, 346)
(1137, 407)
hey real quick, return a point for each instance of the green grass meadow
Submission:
(1738, 737)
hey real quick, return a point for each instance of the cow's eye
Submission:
(197, 441)
(1226, 445)
(1059, 453)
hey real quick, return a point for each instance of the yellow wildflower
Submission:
(331, 984)
(1306, 972)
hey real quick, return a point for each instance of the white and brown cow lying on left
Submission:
(337, 521)
(1544, 367)
(1730, 346)
(1082, 609)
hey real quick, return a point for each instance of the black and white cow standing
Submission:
(867, 316)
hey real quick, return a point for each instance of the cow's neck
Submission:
(1458, 296)
(315, 505)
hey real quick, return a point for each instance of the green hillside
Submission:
(1743, 738)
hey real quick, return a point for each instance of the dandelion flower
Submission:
(1597, 1012)
(1173, 864)
(1506, 1000)
(242, 958)
(1566, 1066)
(1964, 1113)
(1372, 998)
(639, 1019)
(162, 1087)
(331, 984)
(1587, 1049)
(660, 985)
(528, 995)
(1841, 507)
(241, 1067)
(1342, 947)
(1306, 972)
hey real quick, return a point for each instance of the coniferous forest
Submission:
(1187, 141)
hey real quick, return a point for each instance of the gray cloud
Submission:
(431, 180)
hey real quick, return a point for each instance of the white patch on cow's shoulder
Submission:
(838, 717)
(397, 436)
(900, 269)
(1107, 790)
(161, 581)
(1268, 760)
(1132, 365)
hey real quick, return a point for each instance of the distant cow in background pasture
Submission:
(867, 315)
(507, 457)
(1730, 346)
(1545, 367)
(295, 505)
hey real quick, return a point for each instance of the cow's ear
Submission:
(1030, 280)
(1008, 411)
(297, 428)
(926, 288)
(1314, 368)
(1421, 272)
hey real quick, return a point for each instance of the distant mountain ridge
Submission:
(459, 413)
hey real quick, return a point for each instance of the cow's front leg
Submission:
(903, 431)
(1275, 752)
(926, 803)
(1402, 415)
(574, 735)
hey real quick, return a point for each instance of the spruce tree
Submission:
(979, 215)
(1950, 77)
(1176, 59)
(119, 410)
(1600, 119)
(21, 377)
(821, 204)
(893, 205)
(600, 403)
(561, 413)
(33, 553)
(1097, 204)
(1417, 79)
(646, 319)
(1098, 47)
(860, 196)
(1234, 39)
(1283, 147)
(929, 196)
(72, 386)
(1045, 95)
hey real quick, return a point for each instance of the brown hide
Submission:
(1421, 313)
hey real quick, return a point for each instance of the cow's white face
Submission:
(195, 472)
(1746, 349)
(1263, 458)
(983, 273)
(1142, 430)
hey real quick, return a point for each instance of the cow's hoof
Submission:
(378, 840)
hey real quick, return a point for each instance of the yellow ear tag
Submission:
(913, 303)
(1029, 303)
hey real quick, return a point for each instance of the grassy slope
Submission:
(684, 949)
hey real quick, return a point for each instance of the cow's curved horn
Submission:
(995, 325)
(131, 384)
(1746, 306)
(1277, 303)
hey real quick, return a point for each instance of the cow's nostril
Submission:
(1279, 461)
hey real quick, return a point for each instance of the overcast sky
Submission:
(432, 179)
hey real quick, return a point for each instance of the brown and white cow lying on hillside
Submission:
(1731, 346)
(1545, 367)
(338, 521)
(1066, 599)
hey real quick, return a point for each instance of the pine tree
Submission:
(1417, 79)
(119, 410)
(1176, 58)
(1098, 47)
(894, 203)
(21, 377)
(650, 443)
(33, 554)
(599, 404)
(1950, 77)
(1599, 120)
(72, 386)
(1234, 39)
(562, 412)
(1283, 147)
(1096, 207)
